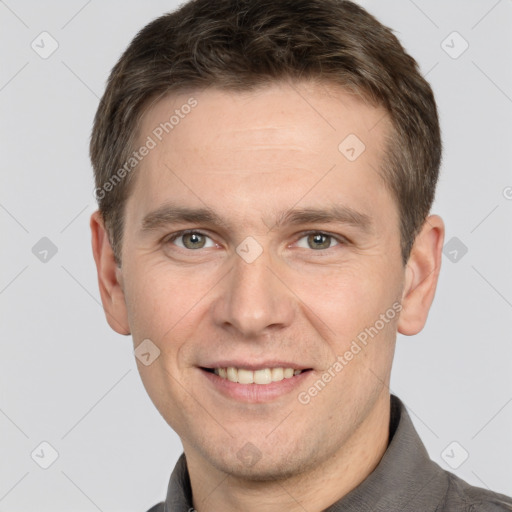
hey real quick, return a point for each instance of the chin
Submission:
(253, 465)
(262, 471)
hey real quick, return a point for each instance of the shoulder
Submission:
(463, 497)
(159, 507)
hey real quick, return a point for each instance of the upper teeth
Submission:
(264, 376)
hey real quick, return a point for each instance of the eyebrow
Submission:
(169, 214)
(173, 214)
(330, 215)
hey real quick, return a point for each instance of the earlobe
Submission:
(421, 276)
(109, 277)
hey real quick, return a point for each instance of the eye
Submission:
(317, 240)
(191, 240)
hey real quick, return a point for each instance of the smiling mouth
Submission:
(263, 376)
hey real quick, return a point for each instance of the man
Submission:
(265, 172)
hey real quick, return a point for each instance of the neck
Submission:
(314, 490)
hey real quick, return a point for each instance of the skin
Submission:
(249, 156)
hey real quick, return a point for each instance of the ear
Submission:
(109, 277)
(421, 276)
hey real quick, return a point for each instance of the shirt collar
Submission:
(404, 479)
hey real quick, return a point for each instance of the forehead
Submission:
(275, 143)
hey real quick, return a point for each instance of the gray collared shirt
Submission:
(405, 480)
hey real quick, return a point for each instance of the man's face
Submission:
(256, 287)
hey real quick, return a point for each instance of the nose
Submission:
(253, 299)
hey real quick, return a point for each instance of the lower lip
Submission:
(255, 393)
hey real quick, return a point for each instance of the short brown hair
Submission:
(243, 44)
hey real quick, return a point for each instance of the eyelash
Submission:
(341, 240)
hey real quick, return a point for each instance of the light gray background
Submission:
(67, 379)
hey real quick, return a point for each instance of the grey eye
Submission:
(192, 240)
(318, 241)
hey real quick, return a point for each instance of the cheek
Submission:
(351, 300)
(161, 301)
(347, 298)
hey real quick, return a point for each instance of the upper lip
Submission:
(255, 366)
